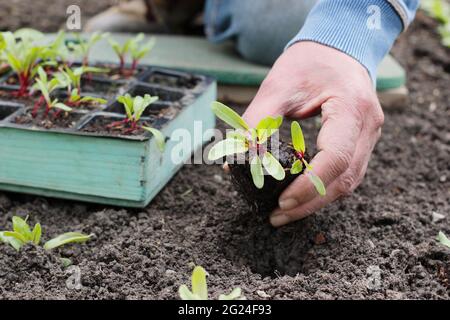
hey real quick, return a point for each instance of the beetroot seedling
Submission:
(23, 234)
(133, 46)
(252, 140)
(82, 47)
(23, 56)
(72, 77)
(139, 50)
(442, 238)
(134, 108)
(46, 87)
(200, 288)
(298, 141)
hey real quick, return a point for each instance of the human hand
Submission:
(309, 78)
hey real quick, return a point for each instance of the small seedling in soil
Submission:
(57, 49)
(75, 100)
(134, 108)
(22, 234)
(245, 139)
(134, 47)
(139, 51)
(442, 238)
(298, 141)
(81, 47)
(262, 192)
(72, 77)
(23, 56)
(46, 87)
(200, 288)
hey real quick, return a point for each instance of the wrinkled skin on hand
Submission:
(309, 79)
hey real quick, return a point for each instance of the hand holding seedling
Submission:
(307, 79)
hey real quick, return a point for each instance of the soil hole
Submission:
(270, 252)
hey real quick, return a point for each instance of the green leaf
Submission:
(16, 235)
(297, 137)
(15, 63)
(127, 102)
(236, 134)
(65, 238)
(227, 147)
(257, 172)
(229, 116)
(267, 127)
(62, 106)
(36, 234)
(13, 242)
(442, 238)
(66, 262)
(297, 167)
(199, 286)
(21, 226)
(234, 295)
(273, 167)
(186, 294)
(318, 184)
(140, 104)
(160, 139)
(91, 99)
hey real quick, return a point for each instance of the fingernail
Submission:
(288, 204)
(279, 220)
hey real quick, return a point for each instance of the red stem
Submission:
(134, 65)
(37, 106)
(122, 64)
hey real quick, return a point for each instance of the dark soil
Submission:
(378, 243)
(187, 82)
(54, 120)
(102, 125)
(264, 200)
(105, 89)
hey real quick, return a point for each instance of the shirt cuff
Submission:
(363, 29)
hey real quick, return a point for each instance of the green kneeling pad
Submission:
(197, 55)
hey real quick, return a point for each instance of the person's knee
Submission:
(265, 27)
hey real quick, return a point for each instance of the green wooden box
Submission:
(123, 171)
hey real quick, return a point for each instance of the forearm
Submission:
(363, 29)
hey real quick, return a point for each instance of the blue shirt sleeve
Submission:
(363, 29)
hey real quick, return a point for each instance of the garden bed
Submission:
(389, 224)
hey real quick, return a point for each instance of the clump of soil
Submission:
(264, 200)
(54, 120)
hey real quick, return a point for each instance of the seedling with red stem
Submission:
(298, 142)
(22, 55)
(134, 108)
(252, 140)
(46, 88)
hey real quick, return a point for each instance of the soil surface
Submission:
(377, 243)
(172, 82)
(54, 120)
(113, 126)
